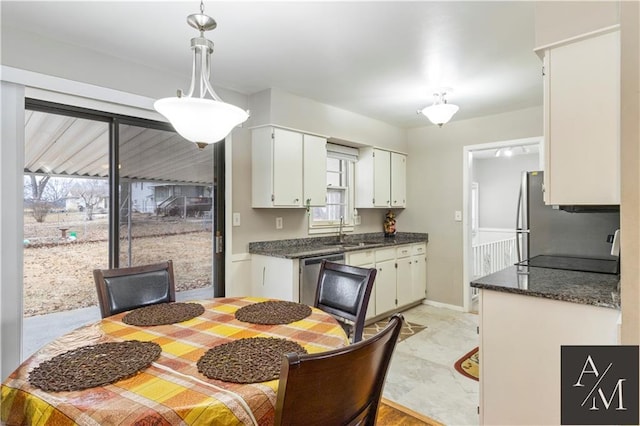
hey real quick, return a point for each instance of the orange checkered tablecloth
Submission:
(171, 391)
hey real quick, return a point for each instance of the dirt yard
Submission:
(58, 272)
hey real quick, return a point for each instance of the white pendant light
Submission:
(440, 112)
(200, 119)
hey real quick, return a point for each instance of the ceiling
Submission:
(379, 59)
(60, 145)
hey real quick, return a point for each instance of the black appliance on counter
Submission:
(569, 239)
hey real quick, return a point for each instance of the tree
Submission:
(45, 193)
(92, 192)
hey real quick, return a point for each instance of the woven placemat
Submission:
(249, 360)
(163, 313)
(94, 365)
(273, 312)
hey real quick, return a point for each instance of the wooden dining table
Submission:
(171, 391)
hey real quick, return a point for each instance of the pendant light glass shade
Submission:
(200, 119)
(440, 112)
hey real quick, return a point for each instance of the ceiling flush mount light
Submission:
(504, 152)
(440, 112)
(198, 118)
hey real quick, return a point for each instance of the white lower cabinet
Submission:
(275, 278)
(404, 281)
(419, 271)
(385, 280)
(365, 259)
(401, 277)
(520, 342)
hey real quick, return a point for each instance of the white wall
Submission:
(560, 20)
(434, 186)
(11, 225)
(630, 171)
(288, 110)
(499, 182)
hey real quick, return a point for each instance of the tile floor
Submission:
(421, 376)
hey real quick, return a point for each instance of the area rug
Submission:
(408, 329)
(469, 364)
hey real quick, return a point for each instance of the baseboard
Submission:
(443, 305)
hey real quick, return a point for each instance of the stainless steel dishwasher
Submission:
(309, 271)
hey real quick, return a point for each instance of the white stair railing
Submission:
(492, 257)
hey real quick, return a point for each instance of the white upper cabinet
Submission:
(582, 121)
(314, 171)
(281, 174)
(380, 179)
(398, 180)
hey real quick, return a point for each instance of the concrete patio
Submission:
(41, 329)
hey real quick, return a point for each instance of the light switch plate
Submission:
(236, 219)
(278, 223)
(457, 216)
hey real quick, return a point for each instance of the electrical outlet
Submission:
(357, 220)
(278, 223)
(236, 219)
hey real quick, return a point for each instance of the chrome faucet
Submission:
(340, 234)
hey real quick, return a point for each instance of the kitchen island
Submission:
(526, 315)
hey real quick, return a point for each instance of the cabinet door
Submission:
(385, 286)
(381, 178)
(275, 278)
(287, 168)
(398, 180)
(404, 281)
(314, 171)
(582, 121)
(418, 277)
(371, 309)
(365, 259)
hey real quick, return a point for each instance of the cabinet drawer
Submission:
(419, 249)
(385, 254)
(361, 258)
(403, 251)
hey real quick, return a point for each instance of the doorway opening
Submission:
(491, 177)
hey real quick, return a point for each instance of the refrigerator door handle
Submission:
(521, 226)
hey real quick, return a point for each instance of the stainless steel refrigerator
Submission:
(551, 237)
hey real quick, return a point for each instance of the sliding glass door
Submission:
(166, 193)
(102, 191)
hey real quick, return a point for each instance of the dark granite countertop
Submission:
(586, 288)
(300, 248)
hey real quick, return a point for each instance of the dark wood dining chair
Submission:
(344, 291)
(338, 387)
(122, 289)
